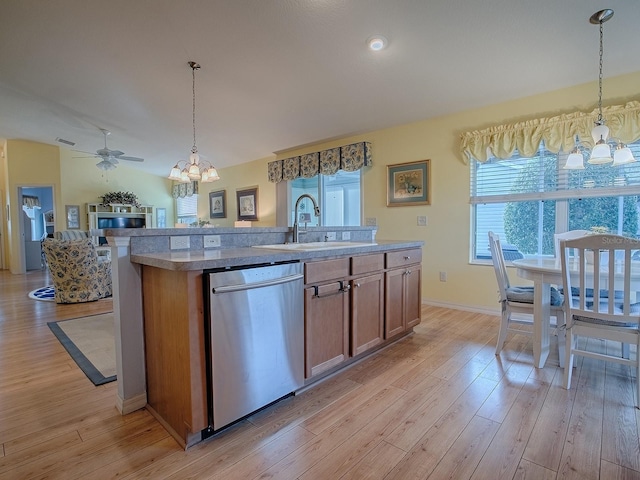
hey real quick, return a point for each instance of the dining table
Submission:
(545, 271)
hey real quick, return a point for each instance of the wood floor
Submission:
(438, 404)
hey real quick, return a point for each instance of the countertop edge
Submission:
(234, 257)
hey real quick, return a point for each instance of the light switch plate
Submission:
(346, 235)
(331, 236)
(422, 220)
(180, 243)
(370, 221)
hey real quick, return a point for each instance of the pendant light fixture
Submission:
(601, 152)
(195, 168)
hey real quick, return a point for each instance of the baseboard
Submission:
(131, 404)
(465, 308)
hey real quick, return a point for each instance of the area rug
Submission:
(90, 342)
(46, 294)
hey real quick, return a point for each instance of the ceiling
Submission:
(277, 74)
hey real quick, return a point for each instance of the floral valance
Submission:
(184, 189)
(559, 133)
(348, 157)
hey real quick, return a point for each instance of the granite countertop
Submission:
(186, 260)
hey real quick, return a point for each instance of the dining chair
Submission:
(570, 235)
(519, 300)
(610, 318)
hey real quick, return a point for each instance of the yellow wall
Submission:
(241, 177)
(75, 181)
(82, 182)
(447, 234)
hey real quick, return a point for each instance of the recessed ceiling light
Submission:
(377, 42)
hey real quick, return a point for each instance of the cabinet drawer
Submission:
(324, 270)
(404, 257)
(367, 263)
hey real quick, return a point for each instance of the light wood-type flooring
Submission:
(438, 404)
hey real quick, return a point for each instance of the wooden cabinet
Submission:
(402, 291)
(326, 315)
(367, 302)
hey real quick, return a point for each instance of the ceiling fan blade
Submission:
(115, 153)
(131, 159)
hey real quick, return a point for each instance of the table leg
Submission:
(541, 322)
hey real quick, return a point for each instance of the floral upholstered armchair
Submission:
(79, 274)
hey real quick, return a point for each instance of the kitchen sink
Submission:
(310, 246)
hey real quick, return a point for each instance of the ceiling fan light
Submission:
(105, 166)
(575, 161)
(600, 154)
(175, 173)
(622, 155)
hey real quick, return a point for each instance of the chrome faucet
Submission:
(316, 210)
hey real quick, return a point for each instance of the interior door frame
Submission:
(20, 248)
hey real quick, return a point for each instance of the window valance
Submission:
(559, 133)
(327, 162)
(184, 189)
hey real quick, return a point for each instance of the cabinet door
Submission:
(326, 323)
(394, 302)
(413, 295)
(367, 314)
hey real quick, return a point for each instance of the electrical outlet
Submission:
(443, 276)
(346, 235)
(211, 241)
(331, 236)
(180, 243)
(422, 220)
(370, 221)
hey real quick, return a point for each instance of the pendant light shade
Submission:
(601, 153)
(194, 169)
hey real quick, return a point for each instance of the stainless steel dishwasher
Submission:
(256, 338)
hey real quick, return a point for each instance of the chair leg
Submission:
(561, 334)
(502, 336)
(568, 360)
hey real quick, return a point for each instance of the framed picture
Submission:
(161, 217)
(218, 204)
(408, 184)
(73, 216)
(247, 200)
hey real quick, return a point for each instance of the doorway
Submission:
(36, 223)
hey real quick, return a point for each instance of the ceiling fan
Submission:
(110, 158)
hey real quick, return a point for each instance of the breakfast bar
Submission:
(352, 298)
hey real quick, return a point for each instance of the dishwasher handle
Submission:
(251, 286)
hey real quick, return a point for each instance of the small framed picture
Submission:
(73, 216)
(247, 200)
(218, 204)
(408, 184)
(161, 217)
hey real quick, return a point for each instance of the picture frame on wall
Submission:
(218, 204)
(409, 184)
(247, 201)
(72, 214)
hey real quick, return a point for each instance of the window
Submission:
(338, 197)
(187, 208)
(527, 200)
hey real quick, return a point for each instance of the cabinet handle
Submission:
(407, 257)
(357, 285)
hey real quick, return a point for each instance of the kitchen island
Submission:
(375, 301)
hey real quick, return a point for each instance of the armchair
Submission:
(79, 274)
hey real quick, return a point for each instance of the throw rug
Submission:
(91, 343)
(46, 294)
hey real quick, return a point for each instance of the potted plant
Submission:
(122, 198)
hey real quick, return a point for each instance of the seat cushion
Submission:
(525, 295)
